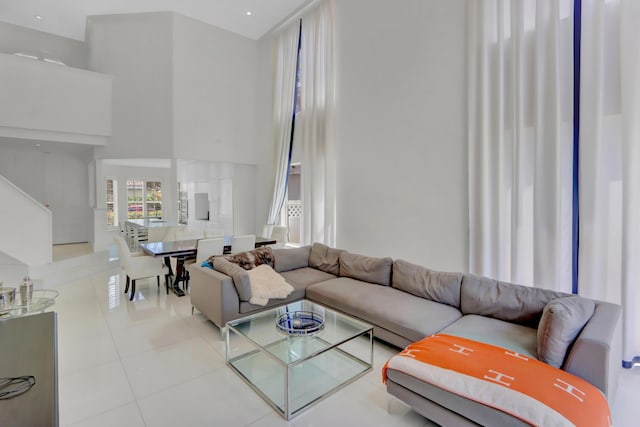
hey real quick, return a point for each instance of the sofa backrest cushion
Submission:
(436, 286)
(239, 275)
(324, 258)
(365, 268)
(291, 258)
(252, 259)
(504, 301)
(561, 322)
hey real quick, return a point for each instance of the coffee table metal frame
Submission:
(267, 352)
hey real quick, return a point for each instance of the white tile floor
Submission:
(148, 362)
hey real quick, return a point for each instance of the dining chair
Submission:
(280, 234)
(243, 243)
(138, 267)
(209, 247)
(182, 233)
(267, 230)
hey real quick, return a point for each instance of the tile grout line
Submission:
(124, 370)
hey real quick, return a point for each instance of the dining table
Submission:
(184, 249)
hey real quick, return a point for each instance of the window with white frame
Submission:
(144, 199)
(112, 202)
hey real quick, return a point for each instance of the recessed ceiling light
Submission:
(248, 13)
(38, 17)
(37, 145)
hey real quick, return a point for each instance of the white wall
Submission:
(55, 175)
(215, 179)
(401, 120)
(244, 200)
(16, 39)
(232, 194)
(53, 102)
(213, 93)
(136, 49)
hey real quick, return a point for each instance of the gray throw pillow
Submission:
(286, 259)
(365, 268)
(561, 322)
(324, 258)
(420, 281)
(239, 275)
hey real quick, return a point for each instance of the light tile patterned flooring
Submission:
(149, 362)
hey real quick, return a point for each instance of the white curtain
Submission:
(285, 54)
(520, 141)
(609, 262)
(315, 127)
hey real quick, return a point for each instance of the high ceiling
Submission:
(68, 17)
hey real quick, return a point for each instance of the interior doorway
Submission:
(293, 214)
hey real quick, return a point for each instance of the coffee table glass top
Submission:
(260, 328)
(291, 372)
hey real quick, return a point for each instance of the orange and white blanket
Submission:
(525, 388)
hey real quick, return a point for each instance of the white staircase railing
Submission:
(26, 229)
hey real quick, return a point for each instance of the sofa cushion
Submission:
(252, 259)
(304, 277)
(325, 258)
(239, 275)
(518, 338)
(367, 269)
(504, 301)
(561, 322)
(286, 259)
(420, 281)
(391, 309)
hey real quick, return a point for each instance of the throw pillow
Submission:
(561, 322)
(324, 258)
(266, 284)
(365, 268)
(252, 259)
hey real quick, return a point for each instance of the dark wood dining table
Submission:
(183, 249)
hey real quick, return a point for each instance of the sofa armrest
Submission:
(596, 355)
(214, 294)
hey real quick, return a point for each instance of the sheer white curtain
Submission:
(285, 55)
(520, 141)
(610, 161)
(315, 127)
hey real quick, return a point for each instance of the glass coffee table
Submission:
(293, 371)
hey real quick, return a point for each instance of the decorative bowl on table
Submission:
(300, 323)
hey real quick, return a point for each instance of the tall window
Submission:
(153, 199)
(112, 202)
(144, 199)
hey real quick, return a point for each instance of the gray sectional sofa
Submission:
(405, 302)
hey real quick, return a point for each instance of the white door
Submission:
(66, 193)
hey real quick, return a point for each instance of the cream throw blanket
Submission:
(265, 284)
